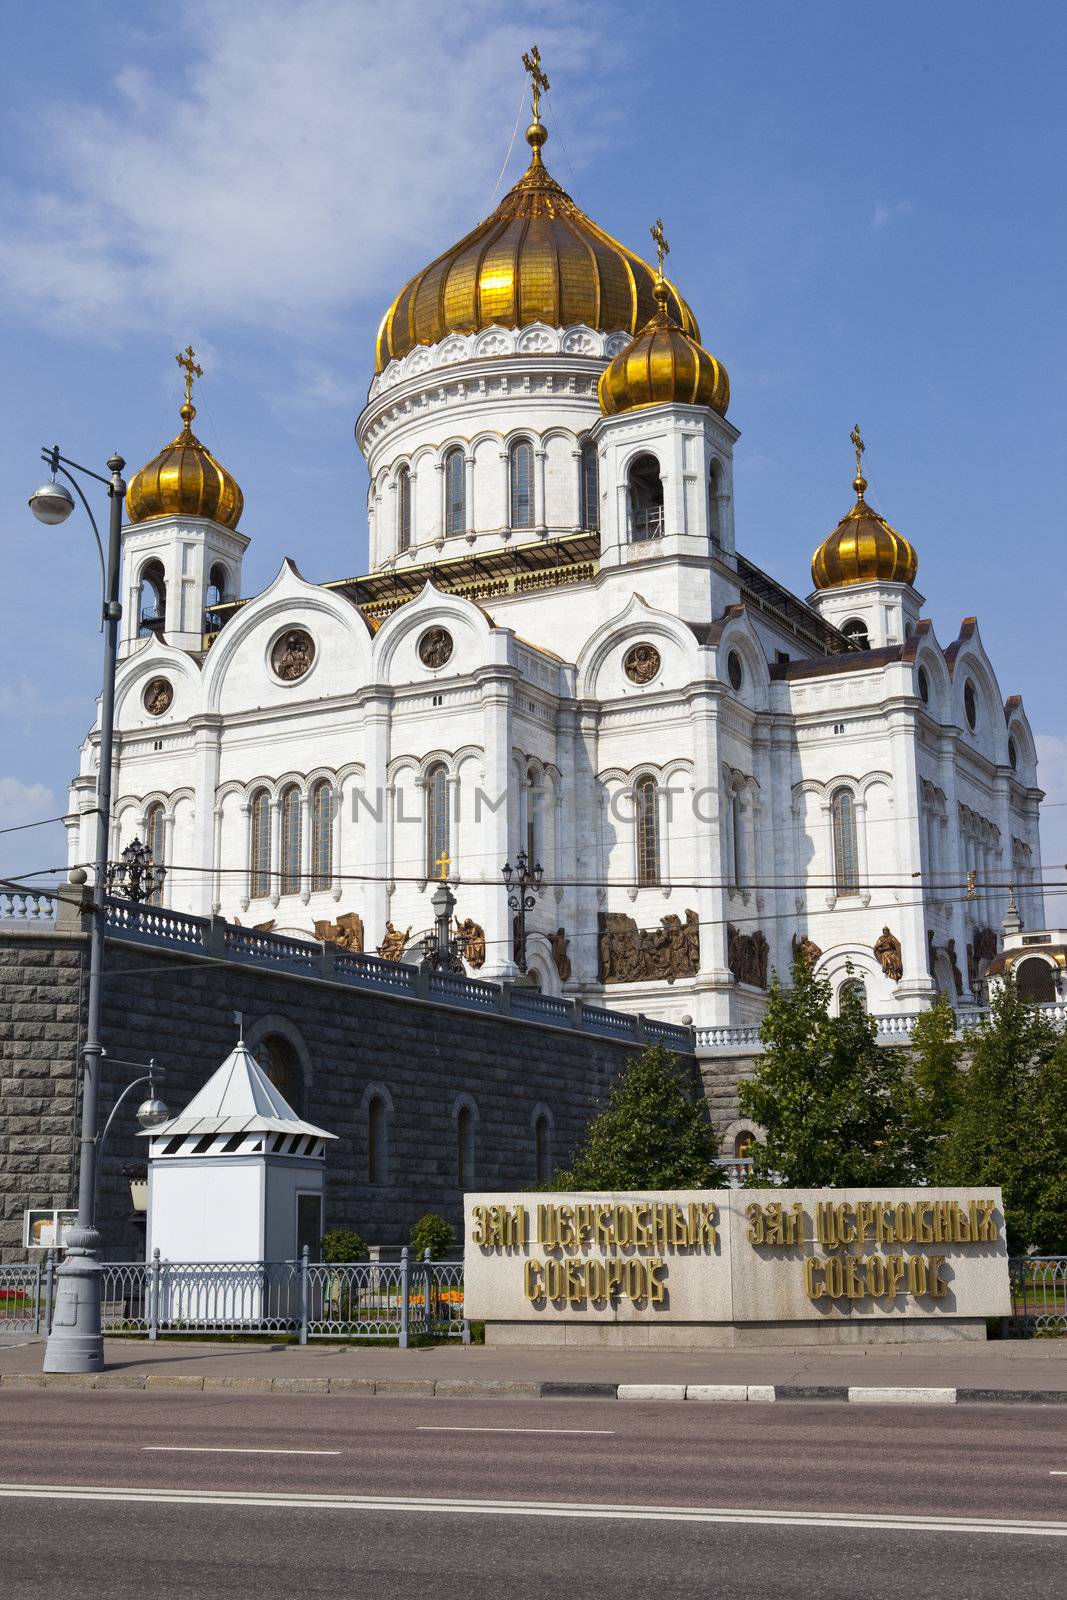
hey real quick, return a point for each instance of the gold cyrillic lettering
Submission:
(597, 1279)
(555, 1278)
(905, 1223)
(846, 1226)
(657, 1289)
(642, 1227)
(826, 1224)
(855, 1287)
(754, 1213)
(834, 1273)
(917, 1275)
(875, 1276)
(942, 1221)
(987, 1221)
(894, 1270)
(814, 1291)
(938, 1286)
(602, 1227)
(864, 1219)
(924, 1222)
(575, 1282)
(531, 1280)
(478, 1225)
(635, 1280)
(624, 1226)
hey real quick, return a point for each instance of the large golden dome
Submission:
(664, 363)
(185, 480)
(863, 548)
(537, 258)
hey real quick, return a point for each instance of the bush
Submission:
(341, 1245)
(433, 1234)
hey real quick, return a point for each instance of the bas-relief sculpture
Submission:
(471, 936)
(560, 943)
(346, 933)
(629, 954)
(747, 956)
(983, 947)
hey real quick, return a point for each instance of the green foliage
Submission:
(938, 1081)
(341, 1245)
(650, 1135)
(833, 1102)
(1010, 1125)
(433, 1233)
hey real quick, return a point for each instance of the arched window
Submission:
(154, 836)
(216, 585)
(1035, 980)
(590, 487)
(321, 836)
(533, 818)
(645, 492)
(520, 484)
(542, 1149)
(846, 854)
(465, 1147)
(291, 838)
(377, 1140)
(714, 519)
(744, 1144)
(436, 819)
(280, 1062)
(259, 853)
(153, 600)
(403, 509)
(646, 818)
(854, 990)
(455, 492)
(737, 840)
(856, 630)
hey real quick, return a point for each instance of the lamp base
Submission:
(75, 1341)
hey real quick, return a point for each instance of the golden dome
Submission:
(185, 480)
(662, 364)
(863, 548)
(537, 258)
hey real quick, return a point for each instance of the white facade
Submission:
(762, 730)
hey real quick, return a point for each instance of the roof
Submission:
(238, 1098)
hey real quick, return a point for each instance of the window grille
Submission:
(260, 851)
(321, 839)
(647, 819)
(436, 820)
(403, 509)
(590, 487)
(521, 480)
(846, 855)
(291, 832)
(455, 493)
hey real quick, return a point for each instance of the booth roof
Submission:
(238, 1098)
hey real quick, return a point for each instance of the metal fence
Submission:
(26, 1290)
(1038, 1295)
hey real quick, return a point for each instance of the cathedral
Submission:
(563, 653)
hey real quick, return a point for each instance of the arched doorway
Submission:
(1035, 980)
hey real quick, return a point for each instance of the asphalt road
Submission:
(112, 1494)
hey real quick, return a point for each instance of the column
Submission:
(245, 812)
(275, 851)
(372, 817)
(305, 849)
(540, 456)
(468, 491)
(207, 733)
(336, 802)
(166, 897)
(215, 877)
(708, 837)
(493, 823)
(916, 985)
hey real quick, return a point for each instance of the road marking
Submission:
(559, 1510)
(430, 1427)
(230, 1450)
(1058, 1473)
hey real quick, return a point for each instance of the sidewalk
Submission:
(1034, 1370)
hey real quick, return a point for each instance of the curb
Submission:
(518, 1388)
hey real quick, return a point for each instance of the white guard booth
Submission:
(235, 1178)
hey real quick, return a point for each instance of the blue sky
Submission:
(865, 209)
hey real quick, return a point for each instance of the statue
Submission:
(806, 950)
(983, 948)
(748, 956)
(629, 954)
(957, 975)
(888, 951)
(559, 943)
(394, 943)
(472, 939)
(346, 933)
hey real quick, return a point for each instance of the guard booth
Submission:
(237, 1177)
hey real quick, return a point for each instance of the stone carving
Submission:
(642, 663)
(559, 943)
(957, 975)
(293, 654)
(158, 697)
(435, 648)
(983, 947)
(806, 950)
(887, 949)
(629, 954)
(346, 933)
(747, 955)
(394, 943)
(472, 939)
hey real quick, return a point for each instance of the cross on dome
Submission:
(531, 60)
(659, 239)
(191, 368)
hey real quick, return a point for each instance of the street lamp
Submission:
(151, 1113)
(75, 1343)
(523, 887)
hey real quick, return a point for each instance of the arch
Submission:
(275, 1025)
(858, 632)
(543, 1129)
(376, 1111)
(520, 484)
(455, 474)
(152, 598)
(437, 818)
(321, 835)
(292, 838)
(259, 845)
(465, 1122)
(854, 988)
(845, 841)
(155, 833)
(714, 508)
(737, 838)
(280, 1060)
(589, 486)
(644, 498)
(403, 508)
(1035, 979)
(647, 828)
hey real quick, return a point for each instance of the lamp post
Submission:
(523, 886)
(75, 1343)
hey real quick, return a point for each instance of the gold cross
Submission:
(859, 446)
(444, 863)
(662, 247)
(191, 369)
(531, 60)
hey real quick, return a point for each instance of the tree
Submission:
(650, 1135)
(432, 1233)
(1010, 1126)
(832, 1101)
(342, 1245)
(938, 1081)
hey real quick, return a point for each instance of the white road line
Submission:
(230, 1450)
(1058, 1473)
(559, 1510)
(430, 1427)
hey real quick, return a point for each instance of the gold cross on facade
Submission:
(659, 238)
(443, 862)
(539, 84)
(186, 360)
(859, 447)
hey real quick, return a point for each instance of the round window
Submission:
(435, 648)
(735, 670)
(293, 653)
(158, 697)
(1013, 755)
(642, 663)
(856, 630)
(924, 687)
(970, 705)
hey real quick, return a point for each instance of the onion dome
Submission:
(537, 258)
(863, 548)
(185, 480)
(663, 364)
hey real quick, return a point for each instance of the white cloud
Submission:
(883, 215)
(24, 802)
(307, 154)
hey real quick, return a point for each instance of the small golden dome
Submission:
(537, 258)
(185, 480)
(863, 548)
(663, 364)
